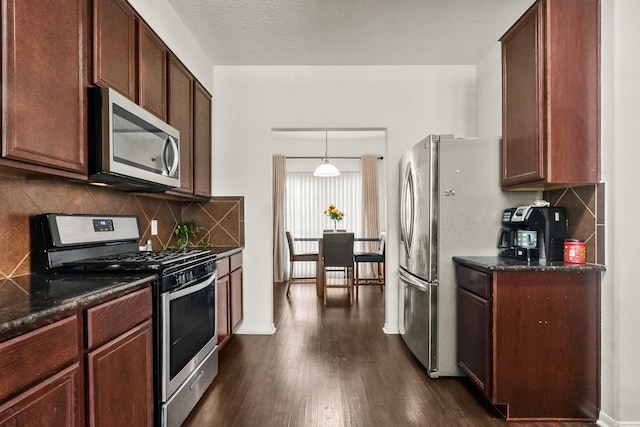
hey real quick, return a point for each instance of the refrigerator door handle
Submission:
(415, 283)
(407, 210)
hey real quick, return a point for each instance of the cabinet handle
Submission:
(450, 192)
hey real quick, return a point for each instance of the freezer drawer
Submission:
(420, 320)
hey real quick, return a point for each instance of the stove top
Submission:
(149, 259)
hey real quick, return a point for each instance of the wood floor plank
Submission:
(333, 366)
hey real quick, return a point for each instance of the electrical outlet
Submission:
(154, 227)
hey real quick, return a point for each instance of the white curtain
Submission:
(279, 258)
(306, 199)
(370, 205)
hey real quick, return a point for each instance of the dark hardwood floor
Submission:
(334, 366)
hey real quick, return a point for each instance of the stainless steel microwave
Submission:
(130, 148)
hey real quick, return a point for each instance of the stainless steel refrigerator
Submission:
(451, 204)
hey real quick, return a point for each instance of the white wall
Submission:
(620, 154)
(489, 87)
(408, 101)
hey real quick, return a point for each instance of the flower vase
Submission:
(335, 226)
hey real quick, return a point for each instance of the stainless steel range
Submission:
(185, 341)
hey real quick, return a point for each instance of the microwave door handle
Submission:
(170, 143)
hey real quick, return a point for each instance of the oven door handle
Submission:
(188, 289)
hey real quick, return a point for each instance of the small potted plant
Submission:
(188, 229)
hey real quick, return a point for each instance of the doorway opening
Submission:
(306, 198)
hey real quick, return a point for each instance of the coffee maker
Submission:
(533, 233)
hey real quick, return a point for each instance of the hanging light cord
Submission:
(326, 147)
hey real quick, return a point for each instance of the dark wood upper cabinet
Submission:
(180, 116)
(152, 71)
(44, 83)
(551, 96)
(114, 46)
(202, 141)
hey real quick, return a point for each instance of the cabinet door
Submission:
(43, 85)
(235, 290)
(54, 402)
(153, 71)
(523, 116)
(202, 142)
(222, 305)
(474, 338)
(120, 383)
(180, 116)
(114, 46)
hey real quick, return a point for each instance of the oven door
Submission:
(188, 332)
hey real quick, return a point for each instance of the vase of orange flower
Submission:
(334, 214)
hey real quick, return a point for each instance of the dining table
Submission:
(320, 262)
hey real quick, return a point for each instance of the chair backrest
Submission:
(337, 249)
(382, 243)
(292, 252)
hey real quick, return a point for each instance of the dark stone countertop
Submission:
(495, 263)
(226, 251)
(31, 299)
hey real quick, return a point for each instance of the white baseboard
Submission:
(269, 331)
(606, 421)
(390, 331)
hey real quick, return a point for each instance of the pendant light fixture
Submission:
(326, 169)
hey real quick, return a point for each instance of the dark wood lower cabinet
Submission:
(474, 351)
(52, 403)
(532, 343)
(43, 371)
(229, 314)
(120, 383)
(235, 299)
(222, 310)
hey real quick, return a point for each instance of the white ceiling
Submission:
(348, 32)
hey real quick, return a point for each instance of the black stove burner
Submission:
(143, 258)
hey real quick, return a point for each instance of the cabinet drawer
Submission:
(108, 320)
(32, 356)
(236, 261)
(474, 281)
(222, 267)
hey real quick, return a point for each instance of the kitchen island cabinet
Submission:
(529, 338)
(44, 121)
(551, 96)
(228, 295)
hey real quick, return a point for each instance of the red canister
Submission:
(574, 252)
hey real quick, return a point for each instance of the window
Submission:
(307, 197)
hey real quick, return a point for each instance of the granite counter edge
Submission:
(78, 302)
(491, 264)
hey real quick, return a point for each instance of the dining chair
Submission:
(337, 251)
(298, 257)
(371, 257)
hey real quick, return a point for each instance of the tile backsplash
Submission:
(222, 217)
(585, 211)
